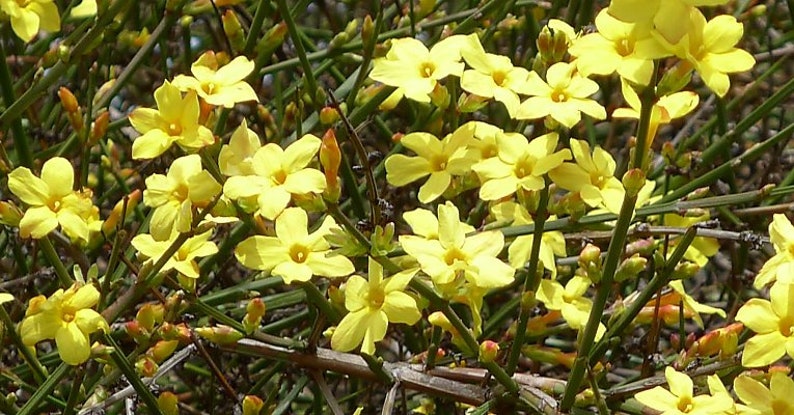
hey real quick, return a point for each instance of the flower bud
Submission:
(168, 403)
(10, 214)
(252, 405)
(219, 334)
(255, 310)
(135, 330)
(146, 366)
(99, 128)
(272, 39)
(331, 159)
(114, 219)
(642, 247)
(440, 96)
(685, 270)
(545, 44)
(162, 350)
(68, 100)
(489, 350)
(178, 332)
(328, 116)
(382, 240)
(633, 182)
(630, 268)
(468, 103)
(367, 30)
(233, 30)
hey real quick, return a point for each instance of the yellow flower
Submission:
(773, 321)
(454, 253)
(175, 195)
(665, 109)
(237, 157)
(669, 17)
(221, 86)
(761, 400)
(613, 193)
(589, 175)
(680, 400)
(570, 301)
(781, 265)
(174, 121)
(373, 304)
(627, 48)
(425, 224)
(52, 202)
(492, 76)
(414, 69)
(29, 16)
(294, 254)
(520, 165)
(184, 259)
(690, 304)
(440, 159)
(552, 243)
(701, 248)
(711, 49)
(563, 98)
(66, 317)
(278, 175)
(86, 8)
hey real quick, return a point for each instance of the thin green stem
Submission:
(292, 28)
(531, 281)
(52, 257)
(21, 138)
(44, 391)
(129, 372)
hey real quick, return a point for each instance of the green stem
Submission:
(52, 257)
(21, 138)
(614, 253)
(292, 28)
(32, 405)
(39, 375)
(129, 372)
(531, 281)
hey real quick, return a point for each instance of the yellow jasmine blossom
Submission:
(570, 301)
(781, 265)
(278, 175)
(773, 321)
(591, 173)
(552, 243)
(711, 48)
(52, 202)
(670, 18)
(414, 69)
(184, 259)
(174, 121)
(680, 399)
(440, 159)
(294, 254)
(66, 317)
(665, 109)
(175, 195)
(221, 86)
(373, 303)
(237, 157)
(29, 16)
(520, 164)
(625, 48)
(86, 8)
(425, 224)
(492, 76)
(564, 97)
(454, 253)
(690, 305)
(613, 193)
(774, 400)
(701, 248)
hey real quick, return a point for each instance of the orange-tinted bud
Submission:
(136, 331)
(328, 116)
(178, 332)
(252, 405)
(146, 366)
(168, 403)
(10, 214)
(109, 226)
(162, 350)
(255, 310)
(219, 334)
(233, 30)
(489, 350)
(330, 159)
(100, 127)
(68, 100)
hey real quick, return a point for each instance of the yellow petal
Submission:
(37, 222)
(27, 187)
(72, 344)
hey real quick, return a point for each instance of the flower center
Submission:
(426, 69)
(523, 167)
(786, 326)
(280, 176)
(453, 255)
(559, 95)
(181, 192)
(685, 404)
(780, 407)
(597, 179)
(376, 298)
(298, 253)
(499, 77)
(174, 129)
(67, 316)
(624, 47)
(209, 88)
(438, 162)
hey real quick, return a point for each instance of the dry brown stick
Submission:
(442, 382)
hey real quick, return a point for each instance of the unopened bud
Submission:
(135, 330)
(233, 30)
(162, 350)
(630, 268)
(219, 334)
(367, 30)
(146, 366)
(440, 96)
(99, 128)
(685, 270)
(255, 310)
(643, 247)
(168, 403)
(114, 219)
(489, 350)
(545, 44)
(382, 240)
(328, 116)
(272, 39)
(179, 332)
(633, 182)
(10, 214)
(468, 103)
(68, 100)
(252, 405)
